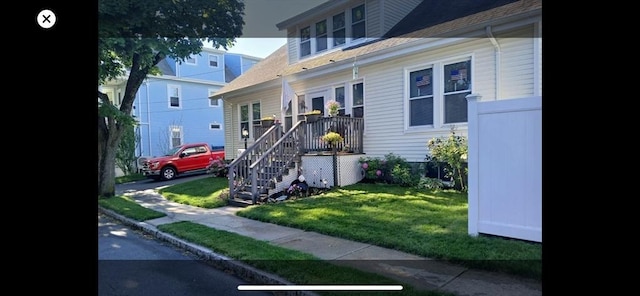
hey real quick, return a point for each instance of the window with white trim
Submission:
(191, 60)
(437, 93)
(305, 41)
(213, 102)
(213, 61)
(175, 132)
(357, 103)
(358, 27)
(244, 120)
(321, 35)
(342, 28)
(174, 96)
(339, 97)
(256, 113)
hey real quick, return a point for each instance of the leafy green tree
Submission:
(133, 37)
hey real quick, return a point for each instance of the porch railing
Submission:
(350, 128)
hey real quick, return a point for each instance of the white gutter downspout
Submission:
(497, 60)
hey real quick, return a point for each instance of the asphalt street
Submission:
(133, 263)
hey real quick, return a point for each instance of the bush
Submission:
(452, 151)
(392, 169)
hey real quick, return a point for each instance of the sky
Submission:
(260, 35)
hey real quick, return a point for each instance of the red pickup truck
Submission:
(187, 158)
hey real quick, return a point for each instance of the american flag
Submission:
(458, 74)
(423, 80)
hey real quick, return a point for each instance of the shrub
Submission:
(392, 169)
(452, 151)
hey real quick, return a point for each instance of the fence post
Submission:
(472, 162)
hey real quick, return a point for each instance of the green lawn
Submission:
(204, 193)
(127, 207)
(430, 224)
(297, 267)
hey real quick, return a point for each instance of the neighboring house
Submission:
(174, 108)
(404, 67)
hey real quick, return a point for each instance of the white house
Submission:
(400, 69)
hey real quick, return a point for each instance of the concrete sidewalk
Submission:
(419, 272)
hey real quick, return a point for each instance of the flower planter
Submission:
(312, 117)
(267, 122)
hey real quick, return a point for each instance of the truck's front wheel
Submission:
(168, 173)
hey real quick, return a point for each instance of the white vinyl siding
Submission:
(517, 65)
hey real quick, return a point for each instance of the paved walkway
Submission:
(419, 272)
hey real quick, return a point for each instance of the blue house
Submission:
(174, 108)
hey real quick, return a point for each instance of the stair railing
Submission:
(239, 173)
(274, 161)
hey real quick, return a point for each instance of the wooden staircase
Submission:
(262, 166)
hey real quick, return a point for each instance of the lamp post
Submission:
(245, 135)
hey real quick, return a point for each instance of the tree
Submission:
(133, 37)
(126, 153)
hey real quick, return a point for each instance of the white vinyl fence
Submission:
(505, 167)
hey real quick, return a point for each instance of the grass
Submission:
(130, 178)
(297, 267)
(129, 208)
(204, 193)
(429, 224)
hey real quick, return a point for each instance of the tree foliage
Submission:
(133, 37)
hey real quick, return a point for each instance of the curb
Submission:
(244, 271)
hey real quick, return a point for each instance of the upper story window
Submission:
(213, 61)
(174, 96)
(190, 60)
(357, 22)
(305, 41)
(321, 35)
(337, 30)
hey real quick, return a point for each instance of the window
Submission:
(174, 96)
(339, 97)
(288, 117)
(321, 35)
(215, 126)
(421, 97)
(191, 60)
(213, 61)
(213, 102)
(244, 120)
(305, 41)
(175, 132)
(255, 107)
(339, 30)
(437, 94)
(358, 100)
(457, 86)
(357, 22)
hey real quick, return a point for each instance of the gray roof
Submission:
(275, 65)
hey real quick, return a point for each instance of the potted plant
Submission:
(313, 115)
(332, 138)
(332, 107)
(267, 121)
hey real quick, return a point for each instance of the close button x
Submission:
(46, 19)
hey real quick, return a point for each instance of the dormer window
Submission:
(357, 22)
(337, 30)
(305, 41)
(321, 35)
